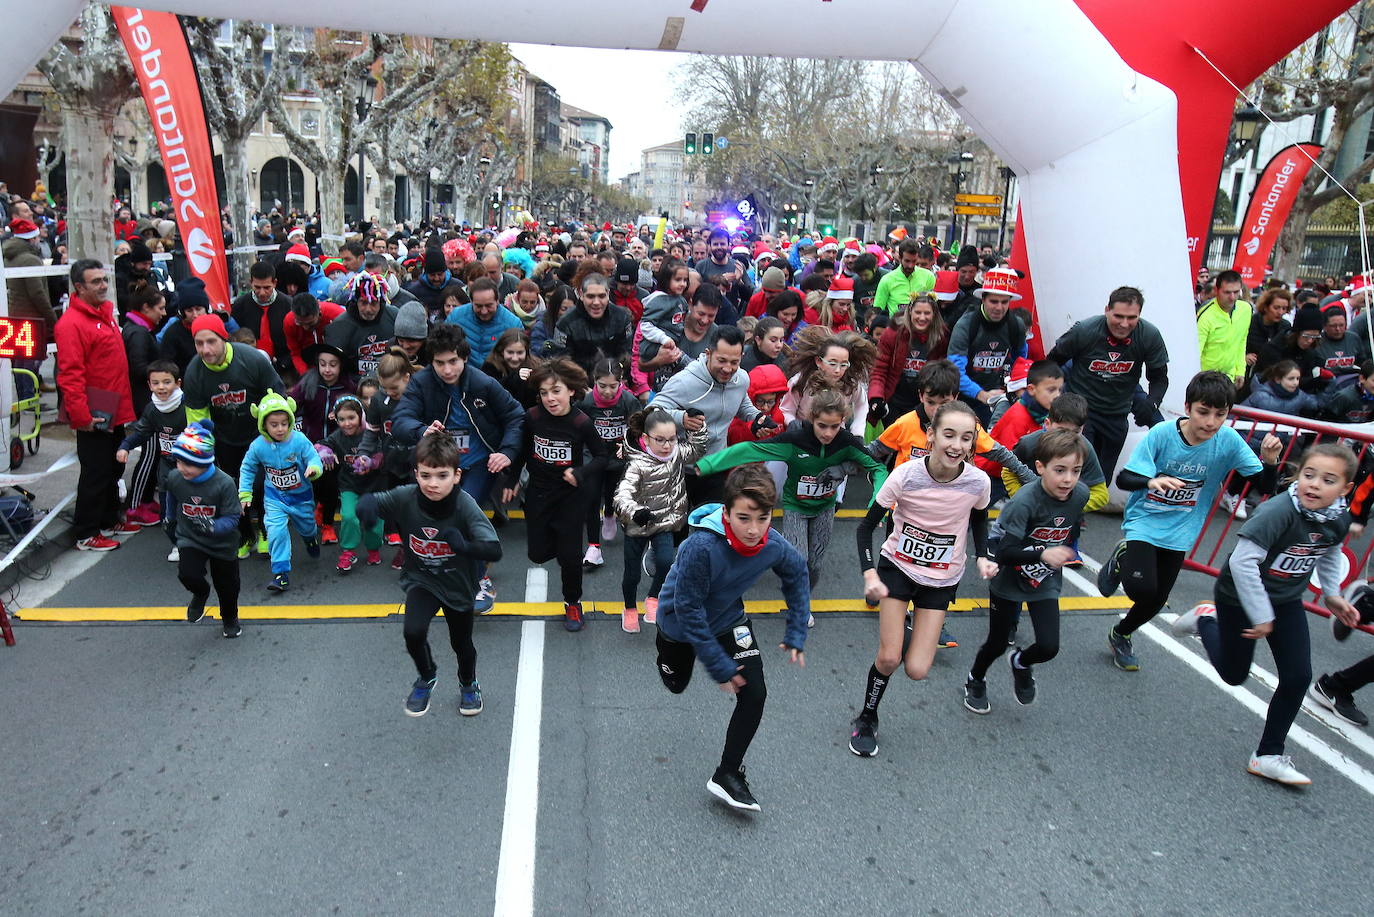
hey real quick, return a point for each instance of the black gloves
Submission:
(762, 422)
(877, 410)
(642, 516)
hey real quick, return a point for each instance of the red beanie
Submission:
(209, 322)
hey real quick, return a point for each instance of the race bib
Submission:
(611, 429)
(989, 360)
(1184, 497)
(462, 439)
(553, 451)
(811, 487)
(165, 441)
(284, 478)
(925, 549)
(1035, 574)
(919, 452)
(1297, 561)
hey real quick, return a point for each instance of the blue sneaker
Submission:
(486, 596)
(1109, 577)
(312, 547)
(947, 640)
(417, 704)
(280, 582)
(1123, 654)
(471, 702)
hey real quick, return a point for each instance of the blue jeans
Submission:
(478, 483)
(663, 548)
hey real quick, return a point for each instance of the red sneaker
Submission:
(399, 560)
(393, 538)
(374, 557)
(651, 610)
(572, 616)
(124, 528)
(144, 515)
(328, 535)
(347, 561)
(97, 543)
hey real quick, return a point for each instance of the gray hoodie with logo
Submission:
(696, 388)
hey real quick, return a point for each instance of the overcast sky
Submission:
(632, 89)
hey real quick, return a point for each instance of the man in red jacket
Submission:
(304, 326)
(93, 376)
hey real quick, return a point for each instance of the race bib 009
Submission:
(925, 549)
(1296, 562)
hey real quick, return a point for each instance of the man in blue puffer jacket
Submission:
(701, 612)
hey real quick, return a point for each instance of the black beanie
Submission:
(627, 271)
(968, 255)
(191, 292)
(1309, 318)
(434, 261)
(139, 251)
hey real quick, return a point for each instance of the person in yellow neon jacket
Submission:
(1223, 325)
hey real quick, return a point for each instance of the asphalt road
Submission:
(156, 768)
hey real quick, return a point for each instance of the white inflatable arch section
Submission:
(1093, 142)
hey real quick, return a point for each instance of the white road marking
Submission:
(536, 584)
(66, 567)
(515, 869)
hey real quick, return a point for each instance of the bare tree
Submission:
(136, 150)
(92, 80)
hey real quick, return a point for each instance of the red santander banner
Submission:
(1270, 204)
(167, 77)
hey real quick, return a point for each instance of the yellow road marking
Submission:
(509, 609)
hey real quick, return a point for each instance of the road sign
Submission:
(975, 210)
(990, 199)
(721, 143)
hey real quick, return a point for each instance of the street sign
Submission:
(989, 199)
(974, 210)
(721, 143)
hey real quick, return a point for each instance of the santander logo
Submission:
(1252, 246)
(200, 250)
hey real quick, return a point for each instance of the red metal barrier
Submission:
(1213, 545)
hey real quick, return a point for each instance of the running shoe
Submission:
(279, 582)
(629, 620)
(97, 543)
(1185, 625)
(174, 555)
(393, 538)
(195, 609)
(1109, 577)
(1337, 701)
(399, 560)
(1235, 505)
(264, 548)
(485, 600)
(651, 610)
(230, 629)
(347, 561)
(1278, 768)
(976, 695)
(328, 535)
(122, 529)
(947, 640)
(1123, 654)
(731, 788)
(572, 616)
(863, 736)
(593, 559)
(417, 704)
(245, 549)
(374, 557)
(145, 515)
(1022, 681)
(312, 547)
(810, 620)
(608, 529)
(471, 702)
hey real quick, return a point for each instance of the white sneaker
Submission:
(1185, 625)
(1235, 506)
(810, 620)
(608, 529)
(1278, 768)
(593, 557)
(174, 555)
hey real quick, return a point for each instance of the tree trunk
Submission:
(386, 176)
(330, 188)
(1292, 241)
(138, 188)
(90, 179)
(236, 191)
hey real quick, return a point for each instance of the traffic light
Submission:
(826, 229)
(708, 143)
(691, 145)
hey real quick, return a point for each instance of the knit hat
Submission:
(23, 229)
(190, 294)
(968, 257)
(412, 321)
(209, 322)
(298, 252)
(434, 261)
(196, 444)
(774, 279)
(627, 271)
(1308, 318)
(166, 228)
(331, 266)
(271, 403)
(139, 251)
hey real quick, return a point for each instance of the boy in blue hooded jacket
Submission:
(288, 463)
(701, 612)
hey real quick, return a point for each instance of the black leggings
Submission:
(421, 607)
(675, 661)
(553, 529)
(225, 573)
(1291, 644)
(1002, 615)
(1148, 574)
(1355, 677)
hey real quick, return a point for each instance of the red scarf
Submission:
(740, 547)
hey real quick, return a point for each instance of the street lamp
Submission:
(810, 201)
(956, 164)
(1247, 123)
(367, 92)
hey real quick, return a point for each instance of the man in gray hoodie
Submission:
(715, 391)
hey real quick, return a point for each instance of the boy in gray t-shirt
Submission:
(204, 507)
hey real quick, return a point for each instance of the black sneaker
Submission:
(312, 547)
(1339, 703)
(976, 695)
(1123, 653)
(231, 629)
(731, 788)
(1022, 681)
(471, 702)
(195, 609)
(1109, 577)
(417, 704)
(863, 736)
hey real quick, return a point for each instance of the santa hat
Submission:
(296, 233)
(740, 250)
(828, 243)
(23, 229)
(897, 234)
(1000, 281)
(850, 245)
(877, 252)
(841, 287)
(946, 285)
(541, 247)
(331, 266)
(298, 252)
(1016, 379)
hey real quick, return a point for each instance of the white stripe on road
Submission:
(515, 869)
(536, 584)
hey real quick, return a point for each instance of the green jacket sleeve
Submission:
(744, 453)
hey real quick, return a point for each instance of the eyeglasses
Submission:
(836, 364)
(1310, 335)
(662, 440)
